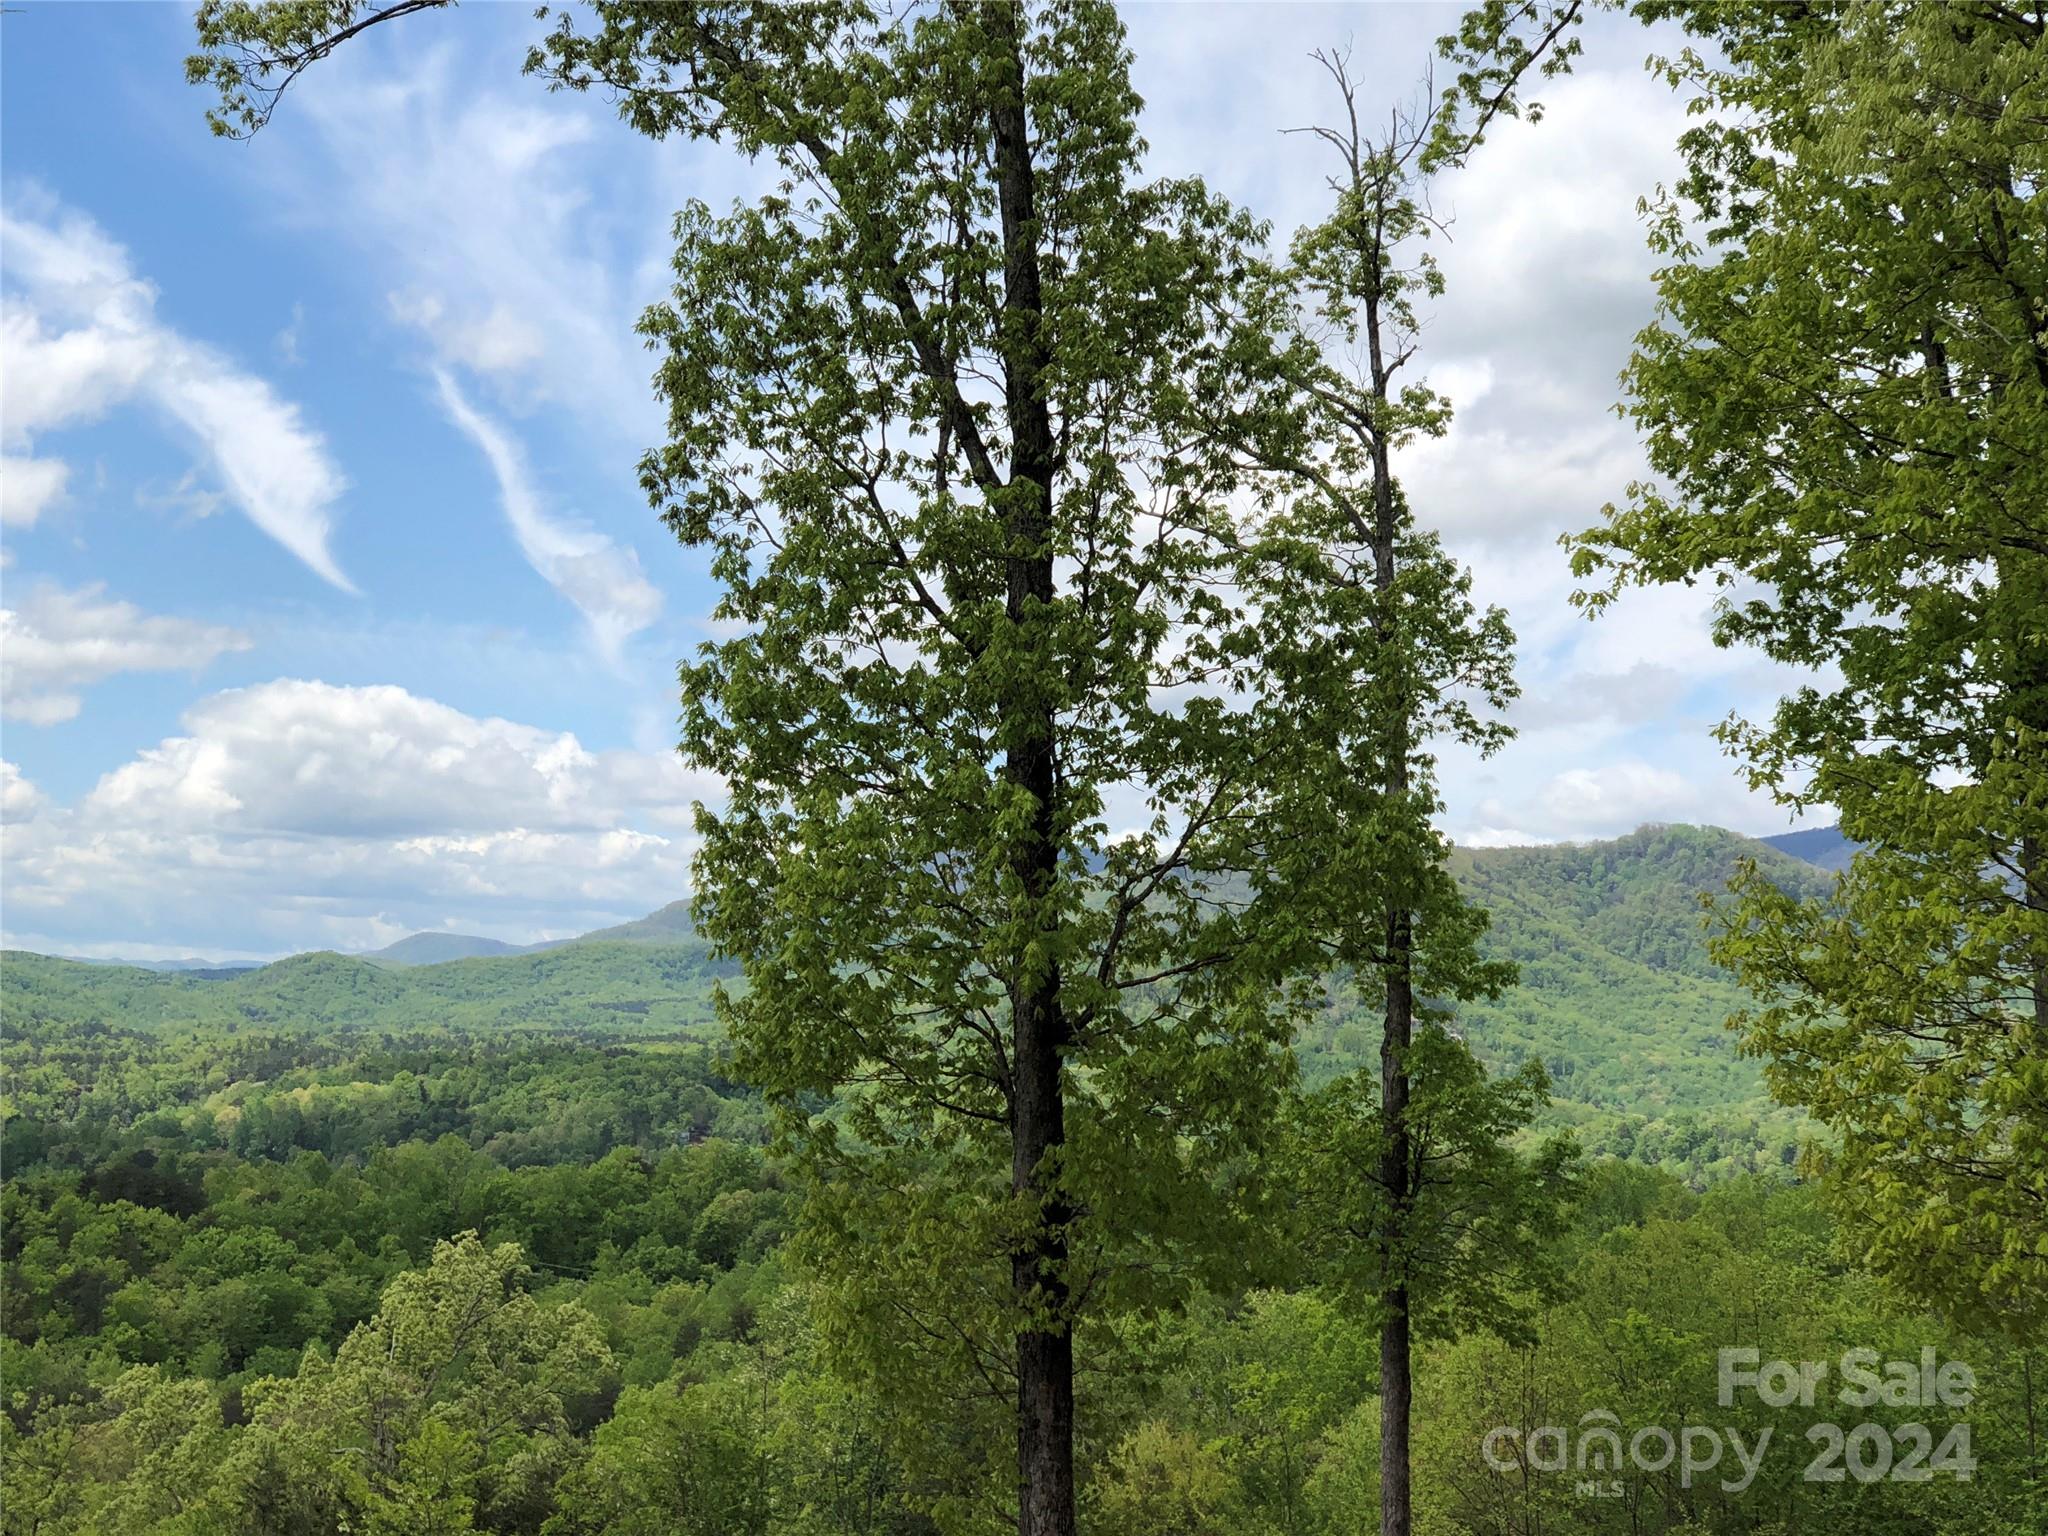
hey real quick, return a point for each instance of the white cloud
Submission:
(311, 757)
(297, 814)
(65, 378)
(19, 799)
(27, 487)
(60, 641)
(522, 233)
(288, 338)
(495, 341)
(81, 336)
(602, 579)
(42, 708)
(1594, 799)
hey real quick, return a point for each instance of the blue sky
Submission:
(334, 611)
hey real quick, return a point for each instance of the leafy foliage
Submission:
(1845, 399)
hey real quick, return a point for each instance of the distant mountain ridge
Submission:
(434, 948)
(597, 986)
(1618, 996)
(190, 965)
(670, 925)
(1825, 847)
(1822, 847)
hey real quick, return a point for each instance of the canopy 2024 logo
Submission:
(1869, 1452)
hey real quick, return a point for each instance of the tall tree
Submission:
(1845, 400)
(1375, 654)
(931, 410)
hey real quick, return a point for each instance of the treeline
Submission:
(620, 1351)
(227, 1269)
(84, 1094)
(565, 1305)
(658, 989)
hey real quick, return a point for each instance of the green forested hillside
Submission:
(642, 988)
(670, 925)
(1637, 897)
(232, 1204)
(1618, 998)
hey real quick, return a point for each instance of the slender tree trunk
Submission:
(1397, 1393)
(1396, 1170)
(1396, 1176)
(1045, 1347)
(2034, 882)
(1397, 1167)
(2033, 1421)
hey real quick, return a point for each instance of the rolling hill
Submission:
(434, 948)
(621, 987)
(1618, 997)
(670, 925)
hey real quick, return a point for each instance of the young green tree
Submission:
(449, 1399)
(1845, 401)
(1372, 653)
(673, 1460)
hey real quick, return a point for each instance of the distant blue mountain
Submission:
(1821, 846)
(671, 925)
(202, 970)
(434, 948)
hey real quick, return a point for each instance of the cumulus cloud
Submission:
(1591, 799)
(28, 486)
(601, 578)
(299, 814)
(60, 641)
(81, 336)
(19, 799)
(317, 759)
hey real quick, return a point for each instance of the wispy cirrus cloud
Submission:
(519, 233)
(517, 236)
(600, 577)
(81, 336)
